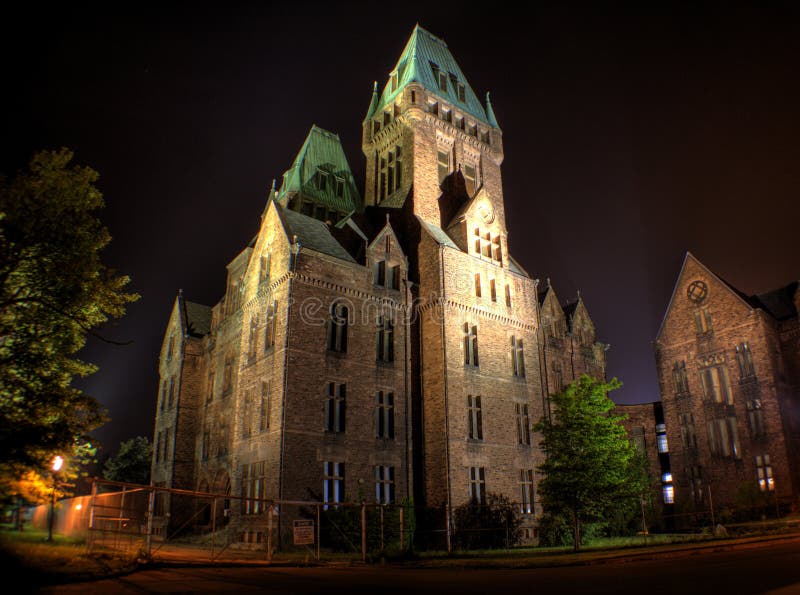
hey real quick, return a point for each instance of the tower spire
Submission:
(490, 112)
(375, 100)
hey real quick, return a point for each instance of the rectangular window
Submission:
(254, 484)
(206, 448)
(385, 339)
(252, 340)
(745, 360)
(443, 159)
(380, 273)
(266, 406)
(462, 92)
(477, 285)
(716, 385)
(518, 357)
(384, 484)
(322, 180)
(680, 378)
(688, 435)
(470, 179)
(335, 408)
(339, 187)
(227, 376)
(474, 418)
(723, 437)
(333, 483)
(384, 415)
(523, 424)
(247, 417)
(337, 328)
(669, 493)
(492, 290)
(702, 321)
(272, 323)
(265, 266)
(661, 438)
(755, 418)
(477, 485)
(526, 491)
(508, 296)
(442, 81)
(470, 344)
(766, 482)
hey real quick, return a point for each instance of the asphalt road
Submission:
(771, 568)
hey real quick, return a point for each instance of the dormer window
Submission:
(322, 180)
(447, 115)
(433, 108)
(473, 130)
(394, 82)
(339, 187)
(462, 92)
(387, 118)
(484, 137)
(460, 122)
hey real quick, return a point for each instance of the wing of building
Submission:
(383, 346)
(729, 375)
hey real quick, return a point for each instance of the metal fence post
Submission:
(91, 514)
(363, 532)
(213, 526)
(269, 533)
(711, 506)
(402, 546)
(382, 546)
(447, 534)
(151, 506)
(318, 532)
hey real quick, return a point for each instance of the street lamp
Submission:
(57, 462)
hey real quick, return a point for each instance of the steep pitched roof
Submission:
(437, 233)
(416, 64)
(198, 319)
(313, 234)
(779, 302)
(315, 170)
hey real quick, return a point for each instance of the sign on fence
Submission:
(303, 532)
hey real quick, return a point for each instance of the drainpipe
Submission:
(446, 403)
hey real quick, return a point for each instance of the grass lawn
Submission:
(30, 555)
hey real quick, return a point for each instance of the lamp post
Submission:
(57, 462)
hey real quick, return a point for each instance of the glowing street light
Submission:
(57, 463)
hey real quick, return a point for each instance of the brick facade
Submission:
(427, 249)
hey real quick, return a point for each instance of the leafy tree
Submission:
(54, 290)
(591, 467)
(132, 463)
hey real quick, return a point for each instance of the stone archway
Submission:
(222, 485)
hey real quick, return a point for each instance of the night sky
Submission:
(631, 135)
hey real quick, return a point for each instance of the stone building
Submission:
(378, 348)
(729, 375)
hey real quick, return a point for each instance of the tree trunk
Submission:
(576, 532)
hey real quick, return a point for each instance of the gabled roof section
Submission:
(437, 233)
(416, 65)
(743, 297)
(321, 173)
(312, 233)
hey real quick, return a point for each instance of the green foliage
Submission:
(340, 528)
(591, 468)
(54, 290)
(132, 463)
(495, 524)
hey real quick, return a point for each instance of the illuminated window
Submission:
(333, 483)
(384, 484)
(766, 482)
(492, 290)
(661, 438)
(702, 320)
(523, 424)
(337, 328)
(474, 418)
(526, 491)
(254, 487)
(477, 485)
(335, 408)
(384, 414)
(470, 344)
(669, 493)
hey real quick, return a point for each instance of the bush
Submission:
(495, 524)
(555, 530)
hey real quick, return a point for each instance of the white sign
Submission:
(303, 532)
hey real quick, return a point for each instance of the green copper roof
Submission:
(424, 52)
(321, 173)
